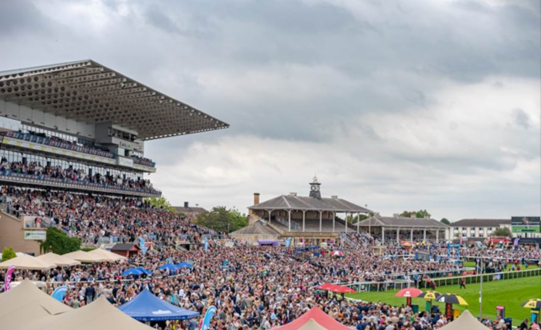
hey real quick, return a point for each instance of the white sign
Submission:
(35, 235)
(122, 161)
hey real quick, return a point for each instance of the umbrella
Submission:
(184, 264)
(27, 262)
(337, 254)
(325, 286)
(341, 289)
(144, 271)
(409, 293)
(430, 295)
(532, 303)
(170, 267)
(450, 298)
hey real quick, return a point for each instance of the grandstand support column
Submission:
(424, 234)
(333, 221)
(303, 219)
(437, 235)
(270, 212)
(358, 223)
(320, 221)
(382, 235)
(398, 235)
(289, 220)
(346, 222)
(411, 234)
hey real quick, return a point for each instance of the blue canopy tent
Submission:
(132, 271)
(184, 264)
(147, 307)
(148, 272)
(171, 267)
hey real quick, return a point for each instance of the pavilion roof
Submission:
(291, 202)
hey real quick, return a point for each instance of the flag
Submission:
(515, 243)
(303, 241)
(60, 292)
(205, 324)
(142, 245)
(288, 242)
(206, 244)
(9, 274)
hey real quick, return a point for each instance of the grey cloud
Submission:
(521, 118)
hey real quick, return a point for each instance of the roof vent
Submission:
(292, 194)
(334, 196)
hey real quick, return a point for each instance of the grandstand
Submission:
(80, 127)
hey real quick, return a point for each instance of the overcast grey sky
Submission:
(394, 104)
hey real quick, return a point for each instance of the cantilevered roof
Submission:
(257, 228)
(291, 202)
(90, 92)
(379, 221)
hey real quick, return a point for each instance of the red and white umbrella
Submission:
(337, 254)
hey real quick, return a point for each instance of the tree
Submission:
(354, 219)
(59, 242)
(161, 203)
(418, 214)
(502, 231)
(445, 221)
(8, 253)
(222, 220)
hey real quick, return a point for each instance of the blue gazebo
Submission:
(147, 307)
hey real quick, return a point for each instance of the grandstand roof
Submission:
(293, 202)
(379, 221)
(90, 92)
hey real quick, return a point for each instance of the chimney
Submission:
(413, 216)
(334, 196)
(256, 198)
(186, 205)
(292, 194)
(396, 215)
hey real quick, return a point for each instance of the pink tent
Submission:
(314, 319)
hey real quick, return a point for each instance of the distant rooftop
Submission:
(481, 222)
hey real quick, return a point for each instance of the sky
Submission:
(394, 105)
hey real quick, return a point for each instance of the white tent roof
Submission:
(98, 315)
(466, 321)
(83, 256)
(27, 262)
(26, 304)
(108, 255)
(58, 259)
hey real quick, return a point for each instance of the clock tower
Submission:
(315, 189)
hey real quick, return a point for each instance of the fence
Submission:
(455, 280)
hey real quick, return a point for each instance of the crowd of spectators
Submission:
(259, 288)
(73, 175)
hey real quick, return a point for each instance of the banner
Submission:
(206, 244)
(516, 241)
(9, 274)
(205, 324)
(142, 245)
(60, 292)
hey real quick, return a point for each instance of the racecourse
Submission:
(510, 293)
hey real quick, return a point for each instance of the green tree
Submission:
(354, 219)
(8, 253)
(222, 219)
(418, 214)
(59, 242)
(162, 203)
(445, 221)
(502, 231)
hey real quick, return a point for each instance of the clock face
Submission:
(313, 188)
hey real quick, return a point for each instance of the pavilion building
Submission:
(310, 217)
(404, 228)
